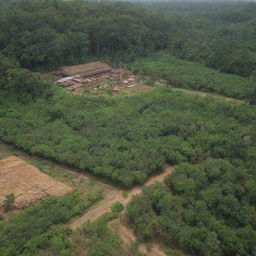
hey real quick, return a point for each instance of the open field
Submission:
(27, 183)
(83, 183)
(140, 87)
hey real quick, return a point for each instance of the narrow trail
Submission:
(204, 94)
(116, 195)
(128, 237)
(125, 233)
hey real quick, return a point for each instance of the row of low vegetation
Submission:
(220, 35)
(38, 230)
(49, 33)
(35, 229)
(46, 34)
(127, 139)
(207, 205)
(205, 209)
(191, 75)
(96, 239)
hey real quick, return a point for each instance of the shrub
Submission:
(117, 208)
(9, 201)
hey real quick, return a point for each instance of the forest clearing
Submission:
(127, 128)
(110, 195)
(117, 195)
(27, 183)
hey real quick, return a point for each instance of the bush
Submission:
(191, 75)
(9, 201)
(35, 228)
(117, 208)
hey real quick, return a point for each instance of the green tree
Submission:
(9, 201)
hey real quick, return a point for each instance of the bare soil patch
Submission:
(116, 195)
(128, 237)
(27, 183)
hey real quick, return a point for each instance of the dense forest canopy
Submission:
(127, 139)
(219, 35)
(192, 75)
(207, 205)
(44, 34)
(207, 209)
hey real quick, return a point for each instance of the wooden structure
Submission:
(85, 70)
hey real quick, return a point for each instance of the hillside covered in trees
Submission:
(219, 34)
(46, 34)
(207, 205)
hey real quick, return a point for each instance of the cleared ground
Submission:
(116, 195)
(27, 183)
(128, 237)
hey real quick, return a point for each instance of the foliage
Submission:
(127, 139)
(45, 34)
(117, 208)
(219, 35)
(29, 232)
(125, 194)
(208, 209)
(9, 201)
(195, 76)
(22, 83)
(101, 240)
(207, 205)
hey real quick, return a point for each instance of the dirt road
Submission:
(125, 233)
(204, 94)
(116, 195)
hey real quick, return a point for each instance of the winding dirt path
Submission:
(124, 232)
(116, 195)
(128, 237)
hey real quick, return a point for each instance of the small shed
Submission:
(85, 70)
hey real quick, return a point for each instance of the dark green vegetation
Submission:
(117, 208)
(192, 75)
(45, 34)
(21, 83)
(219, 35)
(95, 239)
(208, 209)
(207, 206)
(127, 139)
(8, 202)
(34, 230)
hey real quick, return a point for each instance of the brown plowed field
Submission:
(26, 182)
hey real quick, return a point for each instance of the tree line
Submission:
(46, 34)
(205, 209)
(219, 35)
(128, 139)
(37, 227)
(191, 75)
